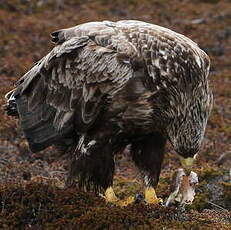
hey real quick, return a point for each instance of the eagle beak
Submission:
(187, 163)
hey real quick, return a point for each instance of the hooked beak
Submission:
(187, 163)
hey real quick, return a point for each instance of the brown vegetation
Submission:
(31, 185)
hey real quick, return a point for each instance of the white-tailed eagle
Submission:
(106, 85)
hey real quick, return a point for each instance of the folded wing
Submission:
(63, 94)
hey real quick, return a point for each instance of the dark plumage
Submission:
(109, 84)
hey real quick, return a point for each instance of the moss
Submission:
(163, 188)
(46, 206)
(227, 193)
(125, 187)
(202, 197)
(208, 171)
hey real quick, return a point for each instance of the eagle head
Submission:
(186, 136)
(187, 125)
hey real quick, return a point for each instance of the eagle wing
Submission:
(67, 89)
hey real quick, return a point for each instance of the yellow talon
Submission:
(110, 197)
(150, 196)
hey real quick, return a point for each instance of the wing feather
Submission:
(67, 87)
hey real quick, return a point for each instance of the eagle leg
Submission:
(92, 164)
(110, 197)
(148, 155)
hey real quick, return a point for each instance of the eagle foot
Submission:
(150, 196)
(110, 197)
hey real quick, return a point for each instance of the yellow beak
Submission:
(187, 163)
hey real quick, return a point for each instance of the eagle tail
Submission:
(38, 127)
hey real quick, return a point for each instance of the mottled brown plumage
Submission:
(109, 84)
